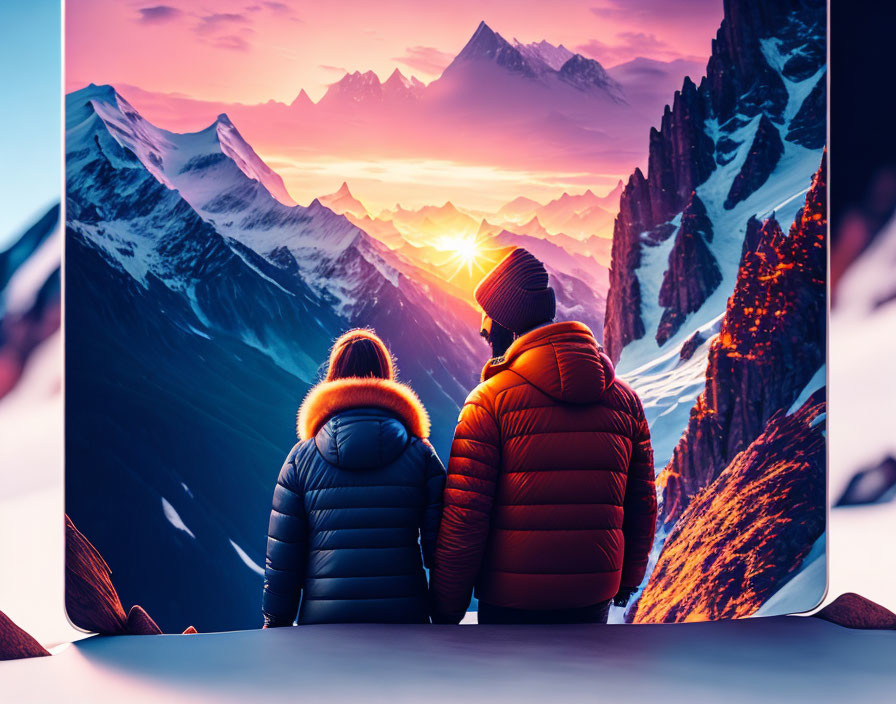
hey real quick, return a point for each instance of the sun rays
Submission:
(468, 252)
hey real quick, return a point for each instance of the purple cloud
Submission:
(158, 14)
(629, 46)
(281, 9)
(426, 59)
(655, 9)
(231, 42)
(278, 7)
(219, 22)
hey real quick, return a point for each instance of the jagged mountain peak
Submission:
(586, 74)
(80, 102)
(484, 36)
(544, 52)
(358, 87)
(397, 78)
(487, 45)
(342, 201)
(302, 99)
(99, 90)
(356, 76)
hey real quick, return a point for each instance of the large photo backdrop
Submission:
(667, 165)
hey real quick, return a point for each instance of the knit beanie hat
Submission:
(516, 293)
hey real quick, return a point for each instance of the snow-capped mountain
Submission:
(201, 308)
(489, 62)
(545, 53)
(206, 162)
(343, 202)
(365, 88)
(505, 104)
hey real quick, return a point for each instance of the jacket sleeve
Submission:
(469, 494)
(284, 572)
(639, 517)
(432, 513)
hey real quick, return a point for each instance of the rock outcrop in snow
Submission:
(693, 272)
(91, 601)
(680, 158)
(763, 157)
(855, 611)
(15, 643)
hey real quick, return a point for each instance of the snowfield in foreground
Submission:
(781, 659)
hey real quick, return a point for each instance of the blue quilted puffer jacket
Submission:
(354, 502)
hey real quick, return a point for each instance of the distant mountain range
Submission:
(579, 268)
(504, 104)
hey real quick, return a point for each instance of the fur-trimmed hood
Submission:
(332, 397)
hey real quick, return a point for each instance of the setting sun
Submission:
(466, 249)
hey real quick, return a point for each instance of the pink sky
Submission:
(252, 51)
(182, 62)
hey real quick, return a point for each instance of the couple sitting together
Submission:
(548, 507)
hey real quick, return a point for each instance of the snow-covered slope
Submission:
(790, 659)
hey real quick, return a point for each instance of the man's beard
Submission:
(500, 338)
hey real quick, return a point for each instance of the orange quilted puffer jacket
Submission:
(550, 500)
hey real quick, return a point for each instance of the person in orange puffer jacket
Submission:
(550, 505)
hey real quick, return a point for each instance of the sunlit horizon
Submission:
(411, 184)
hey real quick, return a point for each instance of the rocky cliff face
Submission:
(770, 346)
(765, 152)
(16, 643)
(746, 533)
(693, 271)
(90, 597)
(808, 127)
(680, 158)
(758, 45)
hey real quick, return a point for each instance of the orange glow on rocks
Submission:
(745, 534)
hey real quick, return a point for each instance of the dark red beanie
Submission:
(516, 293)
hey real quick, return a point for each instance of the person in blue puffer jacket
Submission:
(356, 499)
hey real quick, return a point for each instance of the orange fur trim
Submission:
(331, 397)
